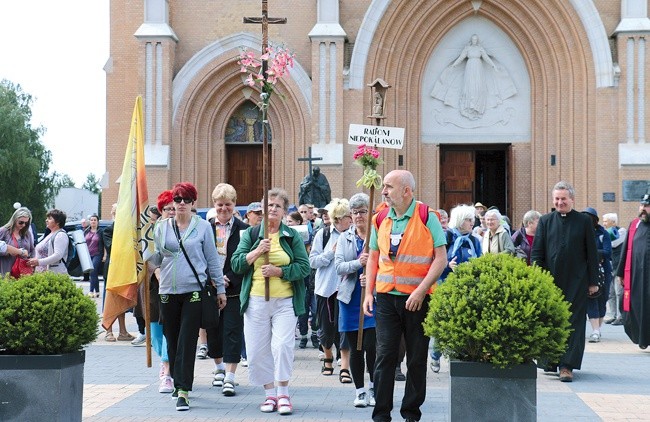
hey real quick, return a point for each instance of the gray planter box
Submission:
(42, 387)
(479, 391)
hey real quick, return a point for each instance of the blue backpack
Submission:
(72, 259)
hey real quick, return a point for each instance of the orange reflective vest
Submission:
(414, 256)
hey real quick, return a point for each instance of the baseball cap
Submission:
(254, 206)
(591, 211)
(646, 199)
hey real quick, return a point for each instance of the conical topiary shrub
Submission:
(496, 309)
(45, 314)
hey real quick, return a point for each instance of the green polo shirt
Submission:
(399, 225)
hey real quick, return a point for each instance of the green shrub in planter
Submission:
(45, 314)
(496, 309)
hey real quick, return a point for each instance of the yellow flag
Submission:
(130, 243)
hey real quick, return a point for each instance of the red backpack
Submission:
(424, 214)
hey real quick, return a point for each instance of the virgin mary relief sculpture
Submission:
(478, 85)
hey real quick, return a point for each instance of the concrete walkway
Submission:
(613, 385)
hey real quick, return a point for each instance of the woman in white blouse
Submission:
(53, 250)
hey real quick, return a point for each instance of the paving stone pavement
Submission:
(613, 385)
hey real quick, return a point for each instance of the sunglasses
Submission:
(178, 200)
(22, 223)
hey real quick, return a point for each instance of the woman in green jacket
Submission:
(269, 326)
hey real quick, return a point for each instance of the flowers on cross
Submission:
(368, 157)
(279, 60)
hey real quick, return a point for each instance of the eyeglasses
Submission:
(359, 212)
(167, 209)
(22, 223)
(178, 200)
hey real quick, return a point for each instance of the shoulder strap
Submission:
(423, 209)
(326, 235)
(52, 242)
(380, 217)
(254, 233)
(180, 243)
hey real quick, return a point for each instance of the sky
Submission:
(56, 52)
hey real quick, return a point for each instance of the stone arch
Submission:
(555, 49)
(586, 10)
(206, 92)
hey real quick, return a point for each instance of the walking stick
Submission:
(366, 247)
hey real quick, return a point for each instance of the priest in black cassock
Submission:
(565, 245)
(634, 274)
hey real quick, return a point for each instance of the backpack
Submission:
(424, 215)
(72, 259)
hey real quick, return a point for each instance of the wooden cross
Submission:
(266, 170)
(309, 158)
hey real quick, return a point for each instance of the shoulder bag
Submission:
(208, 293)
(20, 267)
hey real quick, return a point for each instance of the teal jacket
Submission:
(295, 272)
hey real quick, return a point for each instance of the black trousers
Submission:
(328, 321)
(225, 340)
(393, 321)
(182, 316)
(357, 362)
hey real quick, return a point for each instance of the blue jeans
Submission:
(94, 276)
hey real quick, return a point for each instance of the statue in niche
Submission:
(475, 87)
(378, 106)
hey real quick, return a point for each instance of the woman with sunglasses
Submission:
(16, 233)
(349, 260)
(269, 325)
(53, 249)
(186, 252)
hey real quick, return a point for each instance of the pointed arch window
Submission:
(245, 126)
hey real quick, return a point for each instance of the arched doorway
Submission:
(471, 173)
(243, 139)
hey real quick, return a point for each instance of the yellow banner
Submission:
(129, 244)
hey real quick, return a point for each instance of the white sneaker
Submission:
(435, 365)
(140, 340)
(166, 385)
(244, 363)
(361, 400)
(228, 388)
(203, 352)
(594, 337)
(371, 397)
(219, 376)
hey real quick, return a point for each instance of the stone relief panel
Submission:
(476, 88)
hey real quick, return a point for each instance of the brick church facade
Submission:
(499, 99)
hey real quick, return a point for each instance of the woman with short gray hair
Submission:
(349, 260)
(523, 238)
(496, 239)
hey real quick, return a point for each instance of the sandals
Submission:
(344, 376)
(325, 370)
(269, 405)
(284, 405)
(110, 337)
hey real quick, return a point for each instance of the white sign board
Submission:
(377, 136)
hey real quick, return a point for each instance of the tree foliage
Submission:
(24, 161)
(92, 184)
